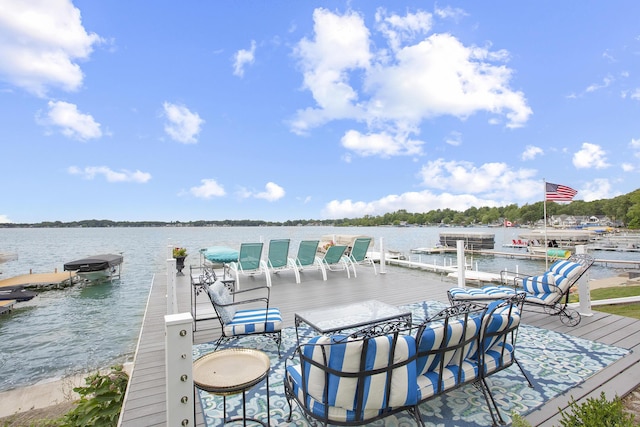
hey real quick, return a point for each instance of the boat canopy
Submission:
(94, 263)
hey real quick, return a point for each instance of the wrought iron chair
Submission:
(236, 321)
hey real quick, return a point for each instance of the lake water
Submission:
(90, 326)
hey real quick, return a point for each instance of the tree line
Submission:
(624, 210)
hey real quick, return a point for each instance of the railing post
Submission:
(179, 370)
(461, 263)
(172, 306)
(383, 269)
(583, 288)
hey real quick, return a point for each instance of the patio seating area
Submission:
(145, 403)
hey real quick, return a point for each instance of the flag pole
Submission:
(546, 243)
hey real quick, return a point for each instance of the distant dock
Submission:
(41, 281)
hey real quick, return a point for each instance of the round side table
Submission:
(232, 371)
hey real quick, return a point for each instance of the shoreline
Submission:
(59, 391)
(44, 394)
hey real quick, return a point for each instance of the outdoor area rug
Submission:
(555, 362)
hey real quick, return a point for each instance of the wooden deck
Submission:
(145, 401)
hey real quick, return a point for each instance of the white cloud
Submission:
(90, 172)
(531, 152)
(606, 82)
(242, 58)
(209, 188)
(4, 219)
(636, 95)
(183, 125)
(418, 77)
(590, 156)
(598, 189)
(73, 123)
(627, 167)
(465, 185)
(401, 29)
(41, 44)
(495, 180)
(635, 144)
(380, 144)
(272, 192)
(454, 138)
(422, 201)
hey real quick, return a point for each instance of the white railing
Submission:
(178, 356)
(179, 369)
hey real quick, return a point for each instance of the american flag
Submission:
(560, 193)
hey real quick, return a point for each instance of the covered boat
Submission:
(97, 267)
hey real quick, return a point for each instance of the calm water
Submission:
(85, 327)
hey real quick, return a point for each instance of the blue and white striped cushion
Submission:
(346, 357)
(294, 376)
(498, 321)
(484, 293)
(566, 268)
(495, 358)
(428, 383)
(540, 284)
(433, 340)
(254, 321)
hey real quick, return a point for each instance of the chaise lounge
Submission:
(549, 290)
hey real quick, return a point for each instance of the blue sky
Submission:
(276, 110)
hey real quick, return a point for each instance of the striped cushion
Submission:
(544, 283)
(254, 321)
(484, 293)
(345, 356)
(498, 356)
(566, 268)
(294, 377)
(432, 348)
(496, 321)
(452, 376)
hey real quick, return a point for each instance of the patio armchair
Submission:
(307, 258)
(358, 254)
(250, 263)
(243, 313)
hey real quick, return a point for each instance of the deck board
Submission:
(145, 401)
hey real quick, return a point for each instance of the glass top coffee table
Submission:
(376, 316)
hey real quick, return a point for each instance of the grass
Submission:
(627, 310)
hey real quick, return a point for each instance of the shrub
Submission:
(597, 413)
(100, 401)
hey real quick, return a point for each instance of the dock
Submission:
(54, 280)
(145, 402)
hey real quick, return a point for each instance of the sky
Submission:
(278, 110)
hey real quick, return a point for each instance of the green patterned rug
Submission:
(555, 362)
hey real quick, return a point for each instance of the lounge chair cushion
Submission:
(221, 295)
(498, 321)
(484, 293)
(254, 321)
(566, 268)
(345, 356)
(433, 339)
